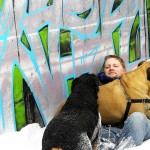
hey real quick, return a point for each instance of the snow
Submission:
(145, 146)
(30, 138)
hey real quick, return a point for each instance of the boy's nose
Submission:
(111, 67)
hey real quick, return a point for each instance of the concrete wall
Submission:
(44, 44)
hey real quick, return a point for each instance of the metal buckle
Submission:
(128, 98)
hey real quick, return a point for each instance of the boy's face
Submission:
(113, 68)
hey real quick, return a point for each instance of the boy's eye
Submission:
(116, 66)
(107, 67)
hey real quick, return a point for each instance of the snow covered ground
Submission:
(30, 138)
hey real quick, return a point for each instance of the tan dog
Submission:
(112, 97)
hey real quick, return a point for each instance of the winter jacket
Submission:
(104, 79)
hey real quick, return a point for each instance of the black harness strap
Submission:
(140, 100)
(127, 110)
(130, 101)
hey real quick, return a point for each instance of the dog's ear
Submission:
(78, 80)
(93, 82)
(74, 83)
(148, 73)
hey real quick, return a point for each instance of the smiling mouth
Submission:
(112, 73)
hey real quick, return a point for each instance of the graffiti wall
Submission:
(45, 44)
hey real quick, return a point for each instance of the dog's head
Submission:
(90, 80)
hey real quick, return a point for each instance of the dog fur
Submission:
(77, 125)
(112, 99)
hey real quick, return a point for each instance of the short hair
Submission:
(116, 57)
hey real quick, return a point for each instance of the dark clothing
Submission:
(104, 79)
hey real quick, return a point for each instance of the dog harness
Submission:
(130, 101)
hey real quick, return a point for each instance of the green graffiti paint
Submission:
(65, 43)
(116, 4)
(85, 14)
(134, 53)
(1, 4)
(116, 39)
(148, 20)
(44, 40)
(69, 83)
(20, 115)
(50, 2)
(24, 40)
(18, 99)
(99, 29)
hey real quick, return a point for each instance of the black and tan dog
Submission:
(77, 125)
